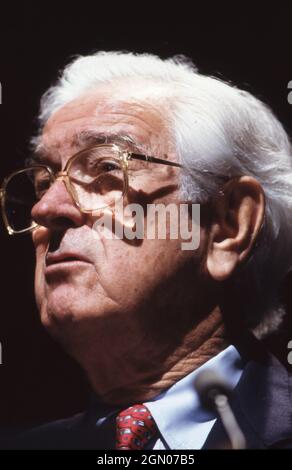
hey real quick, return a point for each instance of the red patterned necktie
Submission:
(135, 427)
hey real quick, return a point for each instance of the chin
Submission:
(66, 304)
(62, 320)
(69, 321)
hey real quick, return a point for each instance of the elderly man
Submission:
(141, 315)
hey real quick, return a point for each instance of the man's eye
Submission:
(41, 187)
(108, 166)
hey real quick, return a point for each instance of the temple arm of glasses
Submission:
(145, 158)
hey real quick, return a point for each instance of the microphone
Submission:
(214, 393)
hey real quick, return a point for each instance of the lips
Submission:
(57, 258)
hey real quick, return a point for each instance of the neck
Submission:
(141, 366)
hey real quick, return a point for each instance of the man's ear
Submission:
(238, 214)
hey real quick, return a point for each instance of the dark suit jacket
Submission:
(261, 403)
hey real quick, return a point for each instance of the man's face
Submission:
(81, 274)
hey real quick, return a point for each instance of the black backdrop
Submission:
(38, 382)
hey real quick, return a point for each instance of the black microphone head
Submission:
(208, 384)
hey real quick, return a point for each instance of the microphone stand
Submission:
(214, 391)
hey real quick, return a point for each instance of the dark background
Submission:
(253, 49)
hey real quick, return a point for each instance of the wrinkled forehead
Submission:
(105, 112)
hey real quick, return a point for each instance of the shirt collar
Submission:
(182, 421)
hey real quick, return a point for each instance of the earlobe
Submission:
(221, 264)
(238, 215)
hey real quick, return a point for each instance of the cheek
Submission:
(131, 271)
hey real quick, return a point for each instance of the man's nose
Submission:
(56, 209)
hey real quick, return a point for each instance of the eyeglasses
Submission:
(95, 178)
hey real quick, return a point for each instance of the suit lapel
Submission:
(261, 401)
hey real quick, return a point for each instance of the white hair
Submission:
(218, 131)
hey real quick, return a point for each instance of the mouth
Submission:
(59, 259)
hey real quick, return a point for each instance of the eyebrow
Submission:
(84, 139)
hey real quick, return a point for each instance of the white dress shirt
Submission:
(182, 421)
